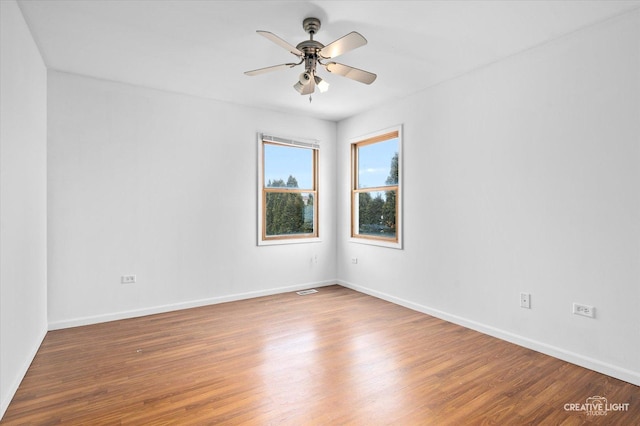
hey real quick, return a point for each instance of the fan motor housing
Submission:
(309, 46)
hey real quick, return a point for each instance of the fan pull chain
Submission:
(310, 99)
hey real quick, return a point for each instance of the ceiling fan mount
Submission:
(311, 26)
(311, 53)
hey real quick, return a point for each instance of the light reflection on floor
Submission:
(296, 373)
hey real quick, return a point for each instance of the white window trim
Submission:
(399, 215)
(305, 143)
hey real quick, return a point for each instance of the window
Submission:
(375, 189)
(288, 195)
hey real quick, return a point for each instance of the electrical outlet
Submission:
(525, 300)
(584, 310)
(128, 279)
(354, 260)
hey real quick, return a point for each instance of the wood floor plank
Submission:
(336, 357)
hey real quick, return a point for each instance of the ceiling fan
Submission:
(313, 53)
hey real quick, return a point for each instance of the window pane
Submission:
(378, 164)
(288, 167)
(377, 213)
(289, 213)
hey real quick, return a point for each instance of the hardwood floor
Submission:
(331, 358)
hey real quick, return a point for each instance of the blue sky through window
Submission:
(282, 161)
(374, 163)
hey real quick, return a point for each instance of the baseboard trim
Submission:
(554, 351)
(13, 388)
(96, 319)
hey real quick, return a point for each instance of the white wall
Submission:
(23, 200)
(522, 176)
(163, 186)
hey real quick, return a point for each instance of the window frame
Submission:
(355, 143)
(262, 238)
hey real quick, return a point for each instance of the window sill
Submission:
(374, 242)
(289, 241)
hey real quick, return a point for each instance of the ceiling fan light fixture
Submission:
(299, 87)
(323, 86)
(305, 78)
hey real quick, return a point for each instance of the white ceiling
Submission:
(203, 47)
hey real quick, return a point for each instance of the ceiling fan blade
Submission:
(269, 69)
(356, 74)
(280, 42)
(343, 45)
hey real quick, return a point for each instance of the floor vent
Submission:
(305, 292)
